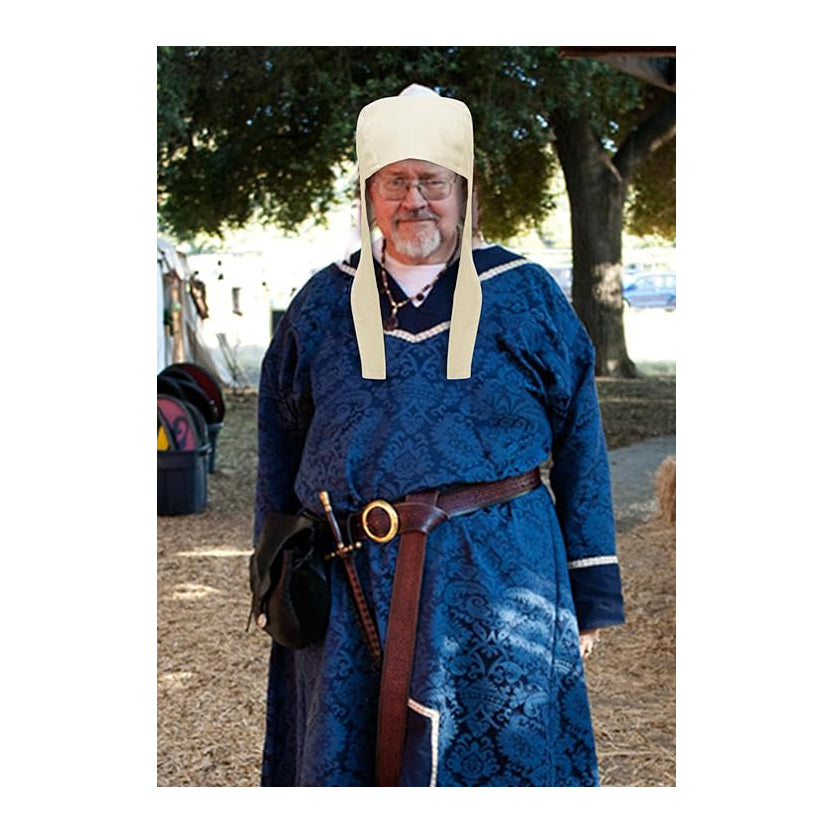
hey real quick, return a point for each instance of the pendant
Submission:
(391, 322)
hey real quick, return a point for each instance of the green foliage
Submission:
(652, 207)
(260, 132)
(242, 130)
(586, 88)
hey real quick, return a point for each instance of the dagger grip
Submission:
(324, 497)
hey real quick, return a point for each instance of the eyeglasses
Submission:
(396, 187)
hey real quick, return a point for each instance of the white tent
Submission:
(180, 338)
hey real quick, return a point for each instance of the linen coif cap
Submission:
(418, 124)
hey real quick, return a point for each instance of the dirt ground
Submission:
(637, 409)
(212, 674)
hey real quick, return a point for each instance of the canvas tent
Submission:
(178, 320)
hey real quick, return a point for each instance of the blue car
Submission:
(651, 289)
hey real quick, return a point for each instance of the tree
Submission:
(599, 165)
(261, 132)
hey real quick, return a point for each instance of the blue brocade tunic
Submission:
(498, 694)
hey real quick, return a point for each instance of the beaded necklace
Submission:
(392, 321)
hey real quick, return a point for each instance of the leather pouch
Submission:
(289, 581)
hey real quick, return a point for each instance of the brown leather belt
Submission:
(412, 519)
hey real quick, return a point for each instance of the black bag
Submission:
(289, 582)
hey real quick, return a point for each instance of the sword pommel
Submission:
(324, 497)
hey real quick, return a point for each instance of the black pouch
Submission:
(289, 583)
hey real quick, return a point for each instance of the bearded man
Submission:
(421, 385)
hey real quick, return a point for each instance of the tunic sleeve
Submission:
(284, 413)
(580, 479)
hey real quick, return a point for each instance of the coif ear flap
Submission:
(468, 300)
(364, 300)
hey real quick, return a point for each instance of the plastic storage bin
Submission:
(182, 481)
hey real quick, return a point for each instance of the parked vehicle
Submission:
(651, 289)
(632, 269)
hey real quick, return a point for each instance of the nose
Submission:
(414, 199)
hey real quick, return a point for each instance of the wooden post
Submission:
(177, 328)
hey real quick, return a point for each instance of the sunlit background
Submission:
(252, 274)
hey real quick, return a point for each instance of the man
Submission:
(416, 230)
(452, 655)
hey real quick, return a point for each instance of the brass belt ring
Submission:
(392, 517)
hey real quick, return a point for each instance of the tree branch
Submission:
(645, 139)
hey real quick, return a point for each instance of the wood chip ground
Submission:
(212, 674)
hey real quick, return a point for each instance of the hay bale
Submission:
(665, 484)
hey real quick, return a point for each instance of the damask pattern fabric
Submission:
(497, 673)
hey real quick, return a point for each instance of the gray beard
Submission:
(419, 246)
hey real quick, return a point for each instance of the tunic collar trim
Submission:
(414, 338)
(484, 275)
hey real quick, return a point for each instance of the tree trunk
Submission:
(597, 196)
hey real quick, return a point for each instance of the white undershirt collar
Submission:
(410, 278)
